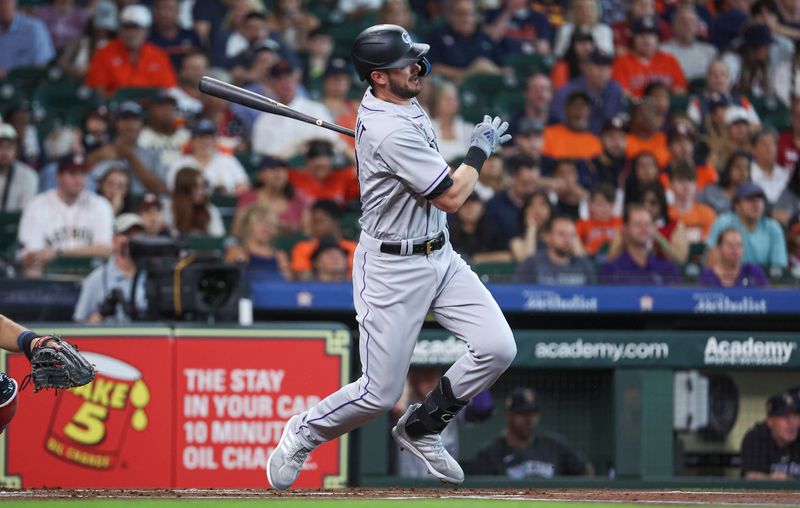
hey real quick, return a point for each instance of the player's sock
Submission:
(436, 411)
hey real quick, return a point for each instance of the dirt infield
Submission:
(778, 498)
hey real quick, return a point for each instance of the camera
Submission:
(110, 303)
(185, 287)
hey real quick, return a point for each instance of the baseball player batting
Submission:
(405, 267)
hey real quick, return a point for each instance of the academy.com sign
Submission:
(611, 351)
(748, 352)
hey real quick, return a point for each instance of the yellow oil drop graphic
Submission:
(140, 397)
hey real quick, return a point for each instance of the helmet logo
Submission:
(406, 38)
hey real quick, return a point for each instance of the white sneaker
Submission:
(286, 461)
(429, 449)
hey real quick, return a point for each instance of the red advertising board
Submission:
(186, 407)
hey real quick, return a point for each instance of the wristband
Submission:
(475, 157)
(24, 342)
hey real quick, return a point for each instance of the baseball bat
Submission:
(253, 100)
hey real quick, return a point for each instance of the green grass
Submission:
(333, 503)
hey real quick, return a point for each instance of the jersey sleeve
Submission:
(407, 154)
(754, 454)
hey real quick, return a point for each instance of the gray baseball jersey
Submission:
(398, 165)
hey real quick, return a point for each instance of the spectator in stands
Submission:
(525, 450)
(623, 33)
(718, 93)
(581, 45)
(24, 39)
(765, 171)
(607, 99)
(749, 65)
(692, 54)
(252, 34)
(452, 131)
(95, 128)
(67, 221)
(787, 207)
(569, 195)
(467, 227)
(642, 171)
(460, 49)
(638, 264)
(231, 133)
(106, 292)
(528, 140)
(188, 211)
(645, 134)
(609, 166)
(149, 210)
(168, 35)
(536, 212)
(129, 60)
(274, 191)
(537, 95)
(681, 141)
(793, 247)
(503, 210)
(770, 449)
(65, 21)
(492, 178)
(188, 103)
(732, 15)
(646, 63)
(730, 271)
(325, 221)
(293, 134)
(146, 171)
(696, 217)
(597, 232)
(789, 140)
(330, 261)
(115, 185)
(210, 18)
(517, 21)
(315, 60)
(735, 137)
(75, 56)
(584, 15)
(29, 147)
(256, 77)
(764, 242)
(256, 233)
(162, 134)
(572, 139)
(735, 172)
(293, 23)
(222, 172)
(562, 263)
(782, 48)
(336, 88)
(319, 180)
(19, 183)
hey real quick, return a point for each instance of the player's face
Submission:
(405, 82)
(521, 425)
(784, 428)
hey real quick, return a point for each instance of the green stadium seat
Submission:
(478, 93)
(136, 94)
(351, 229)
(696, 252)
(495, 272)
(678, 103)
(526, 65)
(508, 102)
(773, 112)
(69, 100)
(9, 226)
(697, 86)
(210, 245)
(28, 77)
(286, 243)
(72, 267)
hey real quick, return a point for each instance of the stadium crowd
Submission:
(655, 141)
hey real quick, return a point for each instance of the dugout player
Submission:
(405, 267)
(771, 449)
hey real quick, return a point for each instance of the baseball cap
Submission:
(645, 25)
(616, 122)
(736, 114)
(782, 404)
(270, 162)
(105, 16)
(530, 125)
(72, 161)
(7, 131)
(578, 95)
(148, 201)
(749, 190)
(337, 67)
(717, 100)
(126, 221)
(757, 36)
(680, 130)
(328, 242)
(280, 69)
(138, 15)
(522, 400)
(204, 127)
(162, 96)
(599, 57)
(128, 109)
(266, 45)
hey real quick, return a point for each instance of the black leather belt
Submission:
(426, 247)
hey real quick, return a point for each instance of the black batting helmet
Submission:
(387, 47)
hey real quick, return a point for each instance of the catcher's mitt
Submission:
(55, 363)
